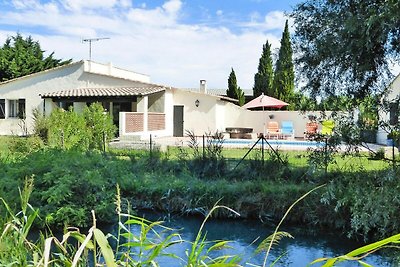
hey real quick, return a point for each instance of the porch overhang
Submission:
(106, 93)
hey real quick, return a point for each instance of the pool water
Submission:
(276, 143)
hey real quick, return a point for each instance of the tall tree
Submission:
(264, 77)
(232, 85)
(20, 57)
(284, 73)
(345, 47)
(233, 90)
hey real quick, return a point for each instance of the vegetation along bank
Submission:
(360, 197)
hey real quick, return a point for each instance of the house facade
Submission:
(139, 108)
(389, 115)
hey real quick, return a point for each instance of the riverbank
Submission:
(68, 184)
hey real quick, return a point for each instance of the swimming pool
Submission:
(276, 143)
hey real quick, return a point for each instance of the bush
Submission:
(68, 184)
(70, 130)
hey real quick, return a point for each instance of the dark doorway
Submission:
(120, 107)
(178, 121)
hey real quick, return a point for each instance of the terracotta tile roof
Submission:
(107, 91)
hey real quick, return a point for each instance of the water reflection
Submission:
(246, 235)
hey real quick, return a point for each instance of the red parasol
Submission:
(265, 102)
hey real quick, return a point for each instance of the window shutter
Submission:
(21, 109)
(2, 108)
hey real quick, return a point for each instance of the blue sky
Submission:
(176, 42)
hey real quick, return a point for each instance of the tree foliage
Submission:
(345, 47)
(283, 83)
(233, 90)
(263, 79)
(21, 56)
(232, 85)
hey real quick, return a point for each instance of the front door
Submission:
(178, 121)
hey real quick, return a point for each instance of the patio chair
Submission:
(311, 130)
(287, 129)
(273, 130)
(327, 127)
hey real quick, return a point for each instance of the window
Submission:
(2, 108)
(21, 109)
(394, 113)
(16, 108)
(65, 105)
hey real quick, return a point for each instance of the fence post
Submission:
(262, 151)
(151, 146)
(104, 142)
(204, 144)
(326, 157)
(62, 138)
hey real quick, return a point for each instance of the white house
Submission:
(138, 107)
(390, 115)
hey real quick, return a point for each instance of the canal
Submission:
(306, 246)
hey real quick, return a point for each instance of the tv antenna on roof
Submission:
(90, 40)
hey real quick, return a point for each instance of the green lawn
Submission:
(296, 158)
(3, 143)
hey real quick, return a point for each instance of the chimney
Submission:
(203, 86)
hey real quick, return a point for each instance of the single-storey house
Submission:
(389, 115)
(138, 107)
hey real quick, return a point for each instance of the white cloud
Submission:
(148, 40)
(219, 12)
(275, 20)
(78, 5)
(172, 6)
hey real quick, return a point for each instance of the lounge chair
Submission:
(327, 127)
(273, 130)
(311, 129)
(287, 129)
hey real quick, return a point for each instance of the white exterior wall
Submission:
(201, 119)
(30, 87)
(393, 93)
(239, 117)
(62, 78)
(110, 70)
(214, 114)
(169, 113)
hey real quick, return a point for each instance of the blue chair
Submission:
(287, 129)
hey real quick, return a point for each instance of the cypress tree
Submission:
(232, 85)
(233, 90)
(284, 72)
(263, 79)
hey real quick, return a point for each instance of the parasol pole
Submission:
(265, 120)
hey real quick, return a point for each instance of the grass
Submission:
(4, 143)
(296, 159)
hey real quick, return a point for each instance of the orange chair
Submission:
(311, 129)
(273, 130)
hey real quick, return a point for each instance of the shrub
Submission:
(69, 130)
(99, 126)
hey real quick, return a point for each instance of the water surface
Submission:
(247, 234)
